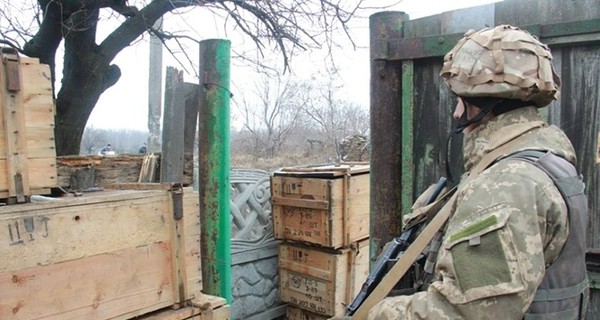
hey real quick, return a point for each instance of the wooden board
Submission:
(100, 286)
(115, 254)
(294, 313)
(322, 281)
(113, 170)
(205, 307)
(28, 127)
(331, 212)
(43, 170)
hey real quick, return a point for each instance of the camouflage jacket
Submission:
(509, 223)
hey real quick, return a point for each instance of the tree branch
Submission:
(139, 23)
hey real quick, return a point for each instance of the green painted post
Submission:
(214, 167)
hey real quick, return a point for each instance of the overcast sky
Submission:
(124, 106)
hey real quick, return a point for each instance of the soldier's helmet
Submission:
(501, 62)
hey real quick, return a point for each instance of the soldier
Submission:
(106, 150)
(511, 249)
(143, 148)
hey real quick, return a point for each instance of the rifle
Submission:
(392, 251)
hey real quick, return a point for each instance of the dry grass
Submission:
(247, 161)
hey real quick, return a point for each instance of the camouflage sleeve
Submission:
(493, 255)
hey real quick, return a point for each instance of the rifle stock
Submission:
(392, 251)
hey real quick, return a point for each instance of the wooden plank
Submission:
(69, 201)
(301, 203)
(191, 235)
(40, 144)
(171, 165)
(36, 77)
(138, 186)
(544, 11)
(355, 217)
(205, 307)
(190, 94)
(206, 301)
(461, 20)
(74, 228)
(124, 168)
(186, 257)
(327, 171)
(42, 174)
(39, 141)
(102, 286)
(580, 119)
(148, 170)
(295, 313)
(39, 112)
(432, 113)
(178, 248)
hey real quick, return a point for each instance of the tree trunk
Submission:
(86, 75)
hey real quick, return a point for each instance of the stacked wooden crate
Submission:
(129, 252)
(27, 148)
(322, 214)
(116, 254)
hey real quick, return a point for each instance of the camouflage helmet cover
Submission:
(502, 62)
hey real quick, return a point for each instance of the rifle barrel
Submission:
(391, 251)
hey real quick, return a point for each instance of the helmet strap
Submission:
(463, 122)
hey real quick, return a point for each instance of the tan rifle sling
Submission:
(439, 220)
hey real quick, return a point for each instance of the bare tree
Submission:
(92, 140)
(335, 119)
(87, 69)
(275, 115)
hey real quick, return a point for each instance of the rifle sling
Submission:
(439, 220)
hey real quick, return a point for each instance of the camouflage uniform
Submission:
(510, 221)
(508, 225)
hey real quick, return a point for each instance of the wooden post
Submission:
(189, 92)
(171, 163)
(386, 131)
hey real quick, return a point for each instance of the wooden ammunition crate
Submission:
(294, 313)
(113, 254)
(320, 280)
(27, 148)
(323, 205)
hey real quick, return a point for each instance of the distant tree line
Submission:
(298, 122)
(281, 121)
